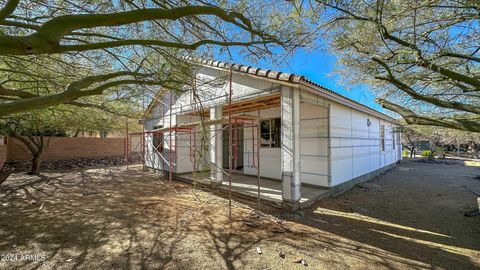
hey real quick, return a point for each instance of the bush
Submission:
(440, 152)
(405, 153)
(426, 153)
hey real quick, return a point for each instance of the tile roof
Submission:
(267, 73)
(276, 75)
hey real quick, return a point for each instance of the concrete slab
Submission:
(270, 190)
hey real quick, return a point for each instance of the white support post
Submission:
(216, 147)
(290, 148)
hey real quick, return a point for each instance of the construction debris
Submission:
(259, 250)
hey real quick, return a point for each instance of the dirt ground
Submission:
(118, 218)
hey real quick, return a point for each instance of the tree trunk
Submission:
(77, 132)
(475, 150)
(458, 149)
(412, 152)
(36, 162)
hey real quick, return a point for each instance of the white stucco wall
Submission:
(314, 144)
(212, 88)
(355, 146)
(160, 116)
(183, 141)
(269, 157)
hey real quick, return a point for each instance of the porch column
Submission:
(290, 148)
(216, 147)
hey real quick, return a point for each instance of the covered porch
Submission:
(270, 189)
(268, 135)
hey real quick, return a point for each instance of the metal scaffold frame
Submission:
(232, 122)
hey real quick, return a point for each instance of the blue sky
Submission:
(318, 67)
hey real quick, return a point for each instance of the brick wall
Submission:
(70, 147)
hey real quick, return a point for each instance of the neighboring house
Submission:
(310, 136)
(424, 145)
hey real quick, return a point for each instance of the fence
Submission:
(69, 147)
(3, 152)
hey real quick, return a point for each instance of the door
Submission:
(237, 146)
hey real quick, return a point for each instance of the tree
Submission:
(411, 139)
(459, 138)
(53, 33)
(421, 56)
(440, 139)
(37, 131)
(33, 134)
(103, 46)
(43, 81)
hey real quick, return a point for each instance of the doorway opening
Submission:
(237, 147)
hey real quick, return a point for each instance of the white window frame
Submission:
(382, 138)
(394, 141)
(270, 141)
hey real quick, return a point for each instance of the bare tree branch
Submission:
(409, 91)
(178, 45)
(415, 119)
(8, 9)
(74, 90)
(47, 39)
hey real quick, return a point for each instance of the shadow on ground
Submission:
(124, 218)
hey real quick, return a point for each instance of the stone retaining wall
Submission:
(74, 163)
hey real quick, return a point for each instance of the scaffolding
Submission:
(152, 143)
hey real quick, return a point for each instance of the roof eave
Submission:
(343, 100)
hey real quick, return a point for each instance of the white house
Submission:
(310, 137)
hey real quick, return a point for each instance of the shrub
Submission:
(405, 153)
(440, 152)
(426, 153)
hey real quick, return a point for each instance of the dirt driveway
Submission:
(119, 218)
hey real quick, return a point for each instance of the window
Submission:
(157, 139)
(393, 139)
(270, 133)
(382, 137)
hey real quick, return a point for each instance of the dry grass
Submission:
(119, 218)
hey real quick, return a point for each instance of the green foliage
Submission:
(419, 56)
(36, 129)
(426, 153)
(405, 153)
(58, 52)
(64, 121)
(440, 152)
